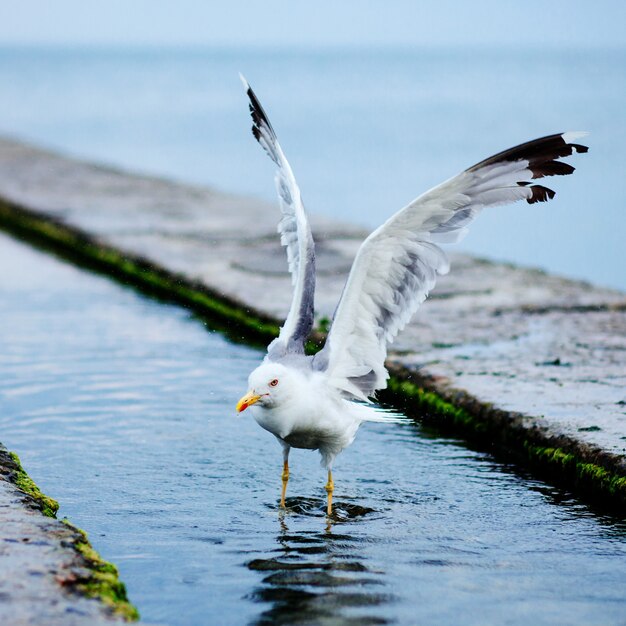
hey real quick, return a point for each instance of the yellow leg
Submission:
(330, 487)
(285, 478)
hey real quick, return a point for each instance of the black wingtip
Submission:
(542, 156)
(580, 149)
(540, 194)
(259, 117)
(261, 126)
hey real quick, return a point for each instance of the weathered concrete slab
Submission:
(40, 565)
(517, 339)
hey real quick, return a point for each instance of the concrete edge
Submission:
(593, 474)
(101, 581)
(238, 321)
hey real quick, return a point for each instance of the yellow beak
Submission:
(246, 401)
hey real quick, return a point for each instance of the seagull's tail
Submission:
(374, 413)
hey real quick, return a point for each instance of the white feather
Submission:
(294, 229)
(398, 264)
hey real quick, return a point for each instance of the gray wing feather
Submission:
(398, 264)
(295, 235)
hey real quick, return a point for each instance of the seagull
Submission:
(318, 402)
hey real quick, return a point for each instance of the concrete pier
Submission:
(528, 363)
(49, 574)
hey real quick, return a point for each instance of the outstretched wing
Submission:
(295, 235)
(398, 264)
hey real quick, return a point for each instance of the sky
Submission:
(325, 23)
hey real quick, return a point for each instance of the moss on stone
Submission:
(224, 314)
(103, 581)
(415, 401)
(323, 325)
(49, 506)
(592, 480)
(582, 474)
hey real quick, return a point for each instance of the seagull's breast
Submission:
(275, 420)
(313, 422)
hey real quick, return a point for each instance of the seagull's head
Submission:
(268, 387)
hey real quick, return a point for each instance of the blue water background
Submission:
(366, 130)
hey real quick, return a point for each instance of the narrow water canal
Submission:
(122, 408)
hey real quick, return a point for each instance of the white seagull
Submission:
(318, 402)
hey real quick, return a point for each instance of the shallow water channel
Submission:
(122, 408)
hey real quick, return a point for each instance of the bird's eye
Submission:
(274, 382)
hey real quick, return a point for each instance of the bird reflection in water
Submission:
(318, 577)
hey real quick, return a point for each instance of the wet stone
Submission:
(36, 561)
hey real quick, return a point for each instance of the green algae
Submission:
(323, 325)
(415, 402)
(591, 480)
(49, 506)
(223, 314)
(584, 475)
(241, 324)
(103, 581)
